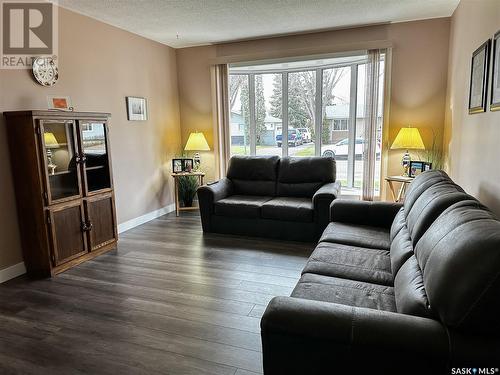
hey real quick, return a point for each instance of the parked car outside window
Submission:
(294, 138)
(306, 135)
(340, 150)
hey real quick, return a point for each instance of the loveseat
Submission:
(394, 289)
(268, 196)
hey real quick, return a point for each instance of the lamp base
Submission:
(405, 162)
(197, 161)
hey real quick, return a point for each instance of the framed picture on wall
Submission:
(59, 103)
(136, 109)
(417, 167)
(479, 78)
(495, 76)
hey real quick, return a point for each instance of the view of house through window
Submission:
(306, 108)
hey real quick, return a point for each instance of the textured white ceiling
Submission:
(214, 21)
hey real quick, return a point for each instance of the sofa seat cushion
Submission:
(248, 206)
(289, 209)
(357, 235)
(351, 262)
(345, 292)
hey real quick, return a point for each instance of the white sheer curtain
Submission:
(221, 94)
(370, 124)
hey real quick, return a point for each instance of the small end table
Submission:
(176, 176)
(402, 190)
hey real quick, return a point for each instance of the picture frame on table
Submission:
(495, 74)
(478, 88)
(177, 166)
(137, 109)
(187, 165)
(417, 167)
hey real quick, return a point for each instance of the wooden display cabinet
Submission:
(63, 180)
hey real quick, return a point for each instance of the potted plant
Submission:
(187, 189)
(434, 154)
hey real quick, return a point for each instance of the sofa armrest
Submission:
(304, 336)
(328, 191)
(208, 195)
(380, 214)
(322, 200)
(216, 191)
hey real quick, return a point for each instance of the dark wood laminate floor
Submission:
(170, 300)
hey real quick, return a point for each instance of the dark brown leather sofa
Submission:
(267, 196)
(394, 289)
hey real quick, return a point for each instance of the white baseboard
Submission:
(12, 271)
(145, 218)
(20, 269)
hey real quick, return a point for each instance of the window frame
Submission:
(319, 71)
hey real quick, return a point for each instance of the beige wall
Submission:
(195, 100)
(472, 141)
(99, 65)
(419, 75)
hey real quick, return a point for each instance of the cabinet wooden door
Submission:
(67, 228)
(100, 214)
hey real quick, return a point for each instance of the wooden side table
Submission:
(176, 176)
(402, 190)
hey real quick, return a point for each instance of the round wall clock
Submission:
(45, 71)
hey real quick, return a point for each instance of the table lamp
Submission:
(197, 142)
(408, 138)
(50, 143)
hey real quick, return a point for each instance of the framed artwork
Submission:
(479, 78)
(495, 76)
(417, 167)
(187, 165)
(60, 103)
(136, 109)
(177, 165)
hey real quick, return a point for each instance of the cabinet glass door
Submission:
(61, 159)
(95, 152)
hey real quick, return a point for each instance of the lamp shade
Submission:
(408, 138)
(50, 140)
(197, 142)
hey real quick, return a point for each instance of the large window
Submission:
(307, 108)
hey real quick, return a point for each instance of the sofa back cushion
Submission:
(430, 204)
(431, 193)
(401, 249)
(409, 291)
(253, 175)
(302, 177)
(459, 258)
(421, 184)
